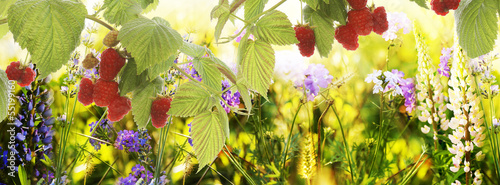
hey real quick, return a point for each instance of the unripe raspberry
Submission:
(111, 39)
(105, 92)
(159, 110)
(361, 20)
(90, 61)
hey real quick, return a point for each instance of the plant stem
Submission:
(289, 137)
(95, 19)
(379, 132)
(159, 159)
(346, 147)
(3, 21)
(320, 126)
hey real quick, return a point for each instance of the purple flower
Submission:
(133, 141)
(189, 69)
(189, 139)
(316, 76)
(444, 69)
(138, 172)
(232, 99)
(408, 88)
(103, 132)
(238, 39)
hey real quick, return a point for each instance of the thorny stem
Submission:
(94, 18)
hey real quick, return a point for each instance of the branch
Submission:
(3, 21)
(95, 19)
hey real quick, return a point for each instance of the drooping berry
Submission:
(118, 108)
(346, 36)
(305, 35)
(357, 4)
(380, 23)
(28, 77)
(23, 75)
(105, 92)
(13, 71)
(159, 110)
(111, 39)
(86, 93)
(439, 7)
(361, 20)
(90, 61)
(452, 4)
(111, 64)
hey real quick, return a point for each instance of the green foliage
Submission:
(275, 28)
(222, 67)
(49, 29)
(312, 3)
(143, 99)
(209, 72)
(4, 6)
(23, 177)
(257, 66)
(323, 32)
(150, 41)
(192, 50)
(221, 12)
(129, 79)
(148, 5)
(191, 99)
(254, 8)
(421, 3)
(477, 28)
(4, 95)
(245, 95)
(161, 67)
(121, 11)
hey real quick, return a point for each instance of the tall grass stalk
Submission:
(64, 137)
(346, 147)
(161, 149)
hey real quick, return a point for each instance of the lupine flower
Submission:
(397, 21)
(190, 140)
(444, 69)
(478, 178)
(189, 69)
(133, 141)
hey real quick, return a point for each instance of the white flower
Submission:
(467, 166)
(456, 182)
(373, 77)
(397, 21)
(455, 169)
(425, 129)
(469, 146)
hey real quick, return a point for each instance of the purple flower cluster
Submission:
(190, 140)
(393, 82)
(139, 172)
(316, 76)
(232, 99)
(133, 141)
(103, 131)
(444, 69)
(189, 69)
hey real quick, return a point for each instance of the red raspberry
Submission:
(306, 38)
(347, 37)
(28, 77)
(452, 4)
(105, 92)
(111, 64)
(361, 20)
(13, 71)
(439, 7)
(380, 23)
(118, 108)
(23, 75)
(357, 4)
(159, 110)
(86, 93)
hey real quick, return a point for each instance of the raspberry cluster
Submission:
(361, 20)
(22, 74)
(159, 110)
(442, 7)
(305, 35)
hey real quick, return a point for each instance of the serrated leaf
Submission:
(253, 8)
(4, 29)
(143, 99)
(223, 119)
(476, 24)
(49, 29)
(208, 71)
(421, 3)
(245, 95)
(323, 32)
(190, 99)
(312, 3)
(121, 11)
(222, 67)
(150, 41)
(161, 67)
(208, 137)
(221, 12)
(257, 66)
(336, 10)
(148, 5)
(4, 94)
(192, 50)
(4, 6)
(275, 28)
(129, 79)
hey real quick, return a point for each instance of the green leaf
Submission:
(191, 99)
(121, 11)
(323, 32)
(224, 120)
(4, 29)
(143, 99)
(312, 3)
(208, 137)
(208, 71)
(336, 10)
(257, 66)
(222, 67)
(129, 79)
(4, 6)
(23, 176)
(148, 5)
(253, 8)
(421, 3)
(161, 67)
(192, 50)
(245, 95)
(275, 28)
(150, 41)
(49, 29)
(4, 94)
(221, 12)
(477, 28)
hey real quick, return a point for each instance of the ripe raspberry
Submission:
(90, 61)
(357, 4)
(28, 77)
(23, 75)
(452, 4)
(361, 20)
(86, 93)
(105, 92)
(13, 71)
(118, 108)
(439, 7)
(347, 37)
(111, 39)
(306, 38)
(380, 23)
(159, 110)
(111, 64)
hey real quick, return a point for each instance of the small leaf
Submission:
(275, 28)
(148, 5)
(312, 3)
(192, 50)
(49, 29)
(336, 10)
(161, 67)
(476, 24)
(208, 71)
(224, 120)
(4, 6)
(4, 94)
(245, 95)
(129, 79)
(150, 41)
(143, 99)
(421, 3)
(190, 99)
(222, 67)
(121, 11)
(221, 12)
(323, 32)
(253, 8)
(257, 66)
(23, 176)
(208, 137)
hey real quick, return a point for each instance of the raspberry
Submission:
(380, 24)
(452, 4)
(111, 39)
(118, 108)
(306, 38)
(346, 36)
(90, 61)
(13, 71)
(105, 92)
(361, 20)
(159, 110)
(439, 7)
(27, 78)
(111, 64)
(357, 4)
(23, 75)
(86, 93)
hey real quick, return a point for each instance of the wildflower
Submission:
(133, 141)
(232, 99)
(102, 131)
(444, 69)
(316, 76)
(425, 129)
(290, 66)
(397, 21)
(467, 166)
(478, 177)
(238, 39)
(457, 182)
